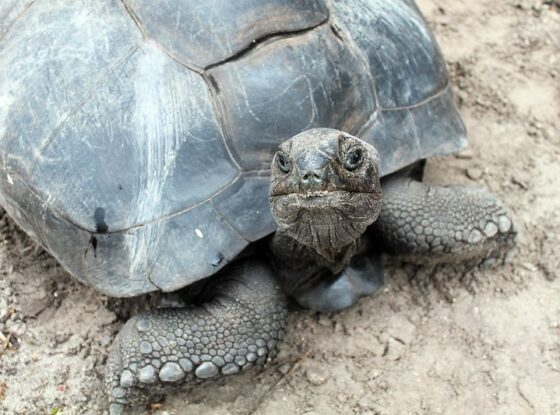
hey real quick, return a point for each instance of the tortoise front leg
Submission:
(431, 224)
(241, 326)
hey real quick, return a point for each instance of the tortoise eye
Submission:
(283, 163)
(353, 158)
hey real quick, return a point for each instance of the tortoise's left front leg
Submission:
(431, 224)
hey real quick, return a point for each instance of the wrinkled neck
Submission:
(293, 254)
(334, 244)
(330, 224)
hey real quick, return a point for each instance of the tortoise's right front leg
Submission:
(241, 326)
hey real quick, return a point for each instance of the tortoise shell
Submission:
(136, 136)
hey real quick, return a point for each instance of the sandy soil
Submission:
(487, 341)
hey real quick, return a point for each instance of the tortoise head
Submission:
(325, 188)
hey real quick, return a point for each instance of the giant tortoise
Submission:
(253, 150)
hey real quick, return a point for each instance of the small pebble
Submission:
(474, 173)
(395, 350)
(316, 376)
(324, 320)
(284, 368)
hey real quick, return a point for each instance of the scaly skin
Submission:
(435, 224)
(239, 328)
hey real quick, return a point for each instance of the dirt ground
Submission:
(487, 341)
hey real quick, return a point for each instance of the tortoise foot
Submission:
(433, 224)
(239, 328)
(364, 276)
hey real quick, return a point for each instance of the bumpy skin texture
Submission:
(241, 326)
(434, 224)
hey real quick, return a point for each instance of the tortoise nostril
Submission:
(311, 177)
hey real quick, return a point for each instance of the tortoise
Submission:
(146, 146)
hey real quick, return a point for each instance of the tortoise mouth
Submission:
(318, 205)
(325, 220)
(322, 200)
(318, 194)
(319, 197)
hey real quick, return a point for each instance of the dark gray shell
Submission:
(136, 136)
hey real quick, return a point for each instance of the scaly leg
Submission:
(241, 326)
(434, 224)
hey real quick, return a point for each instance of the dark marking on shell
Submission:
(100, 225)
(217, 260)
(93, 242)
